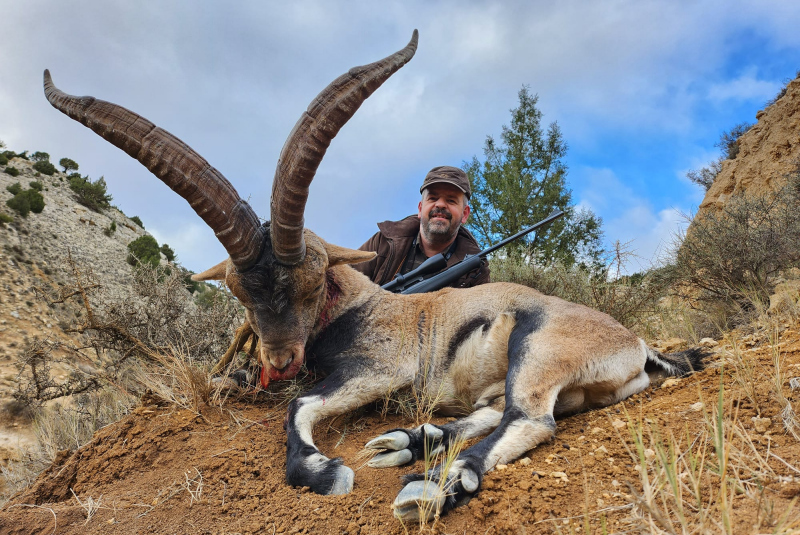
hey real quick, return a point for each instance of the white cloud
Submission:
(745, 87)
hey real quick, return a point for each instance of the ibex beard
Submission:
(505, 358)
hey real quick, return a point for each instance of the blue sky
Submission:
(641, 90)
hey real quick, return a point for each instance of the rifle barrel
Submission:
(555, 214)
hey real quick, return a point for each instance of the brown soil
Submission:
(143, 470)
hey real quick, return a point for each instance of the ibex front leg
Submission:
(345, 390)
(243, 334)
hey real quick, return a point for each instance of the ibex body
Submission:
(506, 356)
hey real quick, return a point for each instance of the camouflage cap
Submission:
(449, 175)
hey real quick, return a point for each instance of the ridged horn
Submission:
(209, 193)
(308, 141)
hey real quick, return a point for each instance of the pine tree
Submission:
(522, 180)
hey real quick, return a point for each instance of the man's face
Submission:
(442, 210)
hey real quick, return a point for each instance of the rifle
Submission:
(414, 281)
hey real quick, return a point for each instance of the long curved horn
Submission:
(308, 141)
(176, 164)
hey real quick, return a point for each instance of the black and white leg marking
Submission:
(337, 394)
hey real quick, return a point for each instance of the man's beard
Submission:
(438, 231)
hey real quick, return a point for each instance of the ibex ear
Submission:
(342, 255)
(216, 273)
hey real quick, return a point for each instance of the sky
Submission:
(641, 89)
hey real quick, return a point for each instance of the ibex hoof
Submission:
(343, 483)
(419, 501)
(391, 458)
(396, 440)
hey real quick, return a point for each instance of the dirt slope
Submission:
(169, 470)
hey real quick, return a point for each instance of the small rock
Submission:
(618, 424)
(560, 475)
(501, 466)
(761, 424)
(649, 454)
(697, 407)
(597, 430)
(673, 344)
(525, 461)
(672, 381)
(708, 342)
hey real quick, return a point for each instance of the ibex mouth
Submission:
(291, 364)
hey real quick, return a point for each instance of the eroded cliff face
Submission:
(768, 153)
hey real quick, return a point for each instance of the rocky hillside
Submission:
(768, 152)
(33, 254)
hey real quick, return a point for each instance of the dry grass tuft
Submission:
(90, 506)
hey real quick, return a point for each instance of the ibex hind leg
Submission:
(345, 390)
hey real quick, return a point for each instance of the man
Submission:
(401, 246)
(436, 228)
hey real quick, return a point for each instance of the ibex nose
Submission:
(283, 362)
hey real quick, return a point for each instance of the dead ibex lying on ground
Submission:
(517, 357)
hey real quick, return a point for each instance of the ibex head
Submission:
(277, 270)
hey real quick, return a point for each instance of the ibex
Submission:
(516, 357)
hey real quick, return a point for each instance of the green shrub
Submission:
(93, 195)
(46, 168)
(68, 165)
(168, 252)
(36, 185)
(138, 221)
(20, 204)
(14, 188)
(40, 157)
(35, 199)
(26, 201)
(13, 171)
(3, 159)
(207, 295)
(111, 229)
(5, 218)
(144, 249)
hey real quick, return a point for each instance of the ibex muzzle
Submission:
(506, 355)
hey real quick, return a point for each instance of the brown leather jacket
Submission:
(394, 240)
